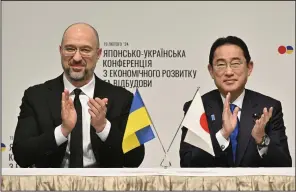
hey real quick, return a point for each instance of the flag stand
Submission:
(161, 164)
(165, 163)
(179, 127)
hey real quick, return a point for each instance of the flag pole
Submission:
(152, 122)
(181, 123)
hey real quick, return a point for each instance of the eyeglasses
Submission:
(222, 65)
(84, 52)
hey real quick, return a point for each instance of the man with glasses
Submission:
(247, 128)
(75, 120)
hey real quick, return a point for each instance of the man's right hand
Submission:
(69, 116)
(229, 119)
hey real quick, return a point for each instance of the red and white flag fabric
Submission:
(196, 122)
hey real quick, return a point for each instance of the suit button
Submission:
(222, 147)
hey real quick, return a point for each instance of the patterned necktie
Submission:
(233, 136)
(76, 151)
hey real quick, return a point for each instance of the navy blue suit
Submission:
(247, 155)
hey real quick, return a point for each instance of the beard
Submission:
(78, 75)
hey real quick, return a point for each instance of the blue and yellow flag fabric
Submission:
(138, 128)
(3, 147)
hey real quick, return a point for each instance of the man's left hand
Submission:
(259, 128)
(98, 112)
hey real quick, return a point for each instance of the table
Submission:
(149, 179)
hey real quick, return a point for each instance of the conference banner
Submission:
(158, 49)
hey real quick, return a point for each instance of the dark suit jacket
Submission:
(40, 113)
(278, 154)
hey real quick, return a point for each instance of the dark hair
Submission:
(229, 40)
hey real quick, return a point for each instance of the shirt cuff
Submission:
(262, 151)
(59, 137)
(222, 141)
(104, 134)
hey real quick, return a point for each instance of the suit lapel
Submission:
(100, 92)
(100, 88)
(249, 107)
(214, 109)
(54, 99)
(56, 87)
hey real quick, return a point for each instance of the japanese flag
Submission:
(195, 121)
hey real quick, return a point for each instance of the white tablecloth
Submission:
(151, 171)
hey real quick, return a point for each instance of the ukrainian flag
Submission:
(138, 128)
(3, 147)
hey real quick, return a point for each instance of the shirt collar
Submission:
(239, 101)
(87, 89)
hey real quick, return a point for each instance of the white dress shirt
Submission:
(225, 143)
(88, 155)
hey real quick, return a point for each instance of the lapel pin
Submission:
(213, 117)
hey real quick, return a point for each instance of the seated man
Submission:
(77, 119)
(248, 130)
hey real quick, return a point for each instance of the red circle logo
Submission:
(204, 123)
(282, 49)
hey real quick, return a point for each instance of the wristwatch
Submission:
(265, 141)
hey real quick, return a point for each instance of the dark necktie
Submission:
(76, 151)
(233, 136)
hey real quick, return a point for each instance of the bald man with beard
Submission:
(76, 120)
